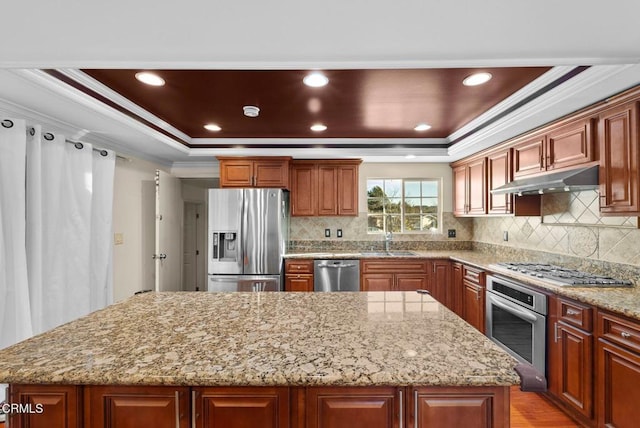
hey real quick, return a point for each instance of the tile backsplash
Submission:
(570, 225)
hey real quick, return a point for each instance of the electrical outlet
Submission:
(505, 235)
(339, 233)
(327, 233)
(451, 233)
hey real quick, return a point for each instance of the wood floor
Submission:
(529, 410)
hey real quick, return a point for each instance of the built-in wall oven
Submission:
(516, 320)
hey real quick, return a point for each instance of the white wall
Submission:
(133, 217)
(407, 170)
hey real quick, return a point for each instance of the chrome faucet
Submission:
(387, 240)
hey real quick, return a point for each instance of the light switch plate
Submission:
(505, 235)
(451, 233)
(339, 233)
(327, 233)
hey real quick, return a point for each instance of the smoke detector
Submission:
(251, 111)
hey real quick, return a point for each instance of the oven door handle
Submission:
(511, 309)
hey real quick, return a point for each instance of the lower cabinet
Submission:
(473, 302)
(240, 407)
(264, 407)
(136, 406)
(298, 275)
(393, 274)
(440, 281)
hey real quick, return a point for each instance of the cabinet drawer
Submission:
(393, 266)
(619, 330)
(298, 266)
(474, 275)
(576, 314)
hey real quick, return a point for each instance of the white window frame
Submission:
(439, 180)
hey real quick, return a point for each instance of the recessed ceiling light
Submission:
(477, 79)
(251, 111)
(150, 78)
(315, 80)
(318, 127)
(422, 127)
(410, 157)
(212, 127)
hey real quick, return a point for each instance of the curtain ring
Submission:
(7, 123)
(32, 131)
(48, 136)
(78, 145)
(104, 153)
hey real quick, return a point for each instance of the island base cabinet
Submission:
(240, 407)
(354, 407)
(476, 407)
(136, 406)
(46, 406)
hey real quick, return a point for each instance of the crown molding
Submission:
(532, 114)
(372, 142)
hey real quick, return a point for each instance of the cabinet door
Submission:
(271, 174)
(298, 282)
(456, 288)
(619, 176)
(377, 282)
(136, 406)
(440, 278)
(410, 282)
(236, 173)
(528, 156)
(327, 186)
(241, 407)
(618, 393)
(498, 174)
(473, 305)
(51, 406)
(354, 408)
(476, 407)
(460, 190)
(477, 187)
(304, 184)
(348, 190)
(574, 368)
(570, 144)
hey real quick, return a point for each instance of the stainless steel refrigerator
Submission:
(248, 234)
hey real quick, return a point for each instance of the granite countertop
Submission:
(622, 300)
(258, 339)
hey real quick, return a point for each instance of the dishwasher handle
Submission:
(346, 265)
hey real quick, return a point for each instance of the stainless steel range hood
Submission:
(565, 181)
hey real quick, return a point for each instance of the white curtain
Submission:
(15, 314)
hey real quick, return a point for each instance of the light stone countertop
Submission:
(621, 300)
(259, 339)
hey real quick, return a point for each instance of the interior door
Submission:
(169, 213)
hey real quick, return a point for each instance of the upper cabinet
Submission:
(324, 187)
(619, 159)
(469, 188)
(564, 145)
(270, 172)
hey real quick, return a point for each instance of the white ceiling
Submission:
(303, 34)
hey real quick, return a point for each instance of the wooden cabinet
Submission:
(473, 297)
(570, 355)
(269, 172)
(452, 407)
(618, 374)
(324, 188)
(469, 188)
(393, 274)
(619, 141)
(456, 288)
(563, 145)
(50, 406)
(242, 407)
(380, 407)
(440, 281)
(136, 406)
(298, 275)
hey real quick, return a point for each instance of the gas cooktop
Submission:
(557, 275)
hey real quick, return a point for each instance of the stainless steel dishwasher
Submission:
(336, 275)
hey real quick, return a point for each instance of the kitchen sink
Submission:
(388, 253)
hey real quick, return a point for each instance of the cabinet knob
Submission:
(572, 312)
(625, 335)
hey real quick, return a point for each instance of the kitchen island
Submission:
(285, 359)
